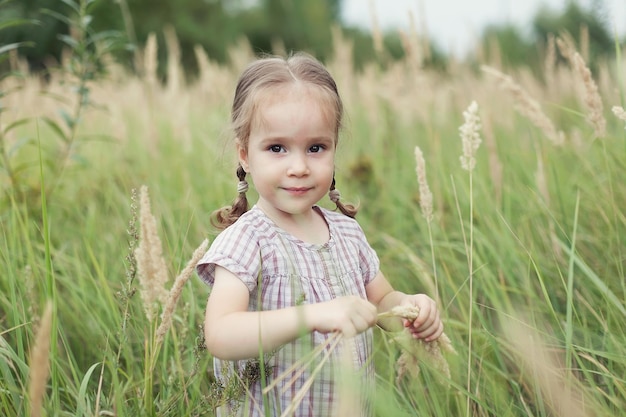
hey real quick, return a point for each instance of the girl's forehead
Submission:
(298, 91)
(290, 90)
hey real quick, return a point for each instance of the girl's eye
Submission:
(275, 148)
(316, 148)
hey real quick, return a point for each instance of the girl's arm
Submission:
(427, 325)
(232, 332)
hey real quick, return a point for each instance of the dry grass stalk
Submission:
(584, 41)
(416, 351)
(151, 266)
(177, 289)
(351, 392)
(527, 106)
(213, 79)
(566, 46)
(342, 64)
(304, 362)
(426, 196)
(175, 83)
(332, 342)
(240, 55)
(204, 63)
(470, 136)
(592, 99)
(407, 47)
(278, 47)
(150, 61)
(39, 366)
(174, 74)
(377, 36)
(545, 372)
(549, 64)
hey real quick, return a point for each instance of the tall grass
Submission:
(553, 249)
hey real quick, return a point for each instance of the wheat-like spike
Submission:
(426, 196)
(592, 98)
(151, 266)
(528, 106)
(565, 44)
(470, 136)
(416, 350)
(177, 289)
(39, 366)
(550, 59)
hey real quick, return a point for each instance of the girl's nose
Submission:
(298, 166)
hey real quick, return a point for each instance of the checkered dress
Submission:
(281, 271)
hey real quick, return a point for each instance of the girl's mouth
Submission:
(297, 190)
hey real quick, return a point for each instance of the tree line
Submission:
(38, 28)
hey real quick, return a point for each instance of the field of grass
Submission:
(526, 253)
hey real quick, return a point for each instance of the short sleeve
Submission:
(235, 249)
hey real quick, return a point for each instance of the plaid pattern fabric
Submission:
(281, 271)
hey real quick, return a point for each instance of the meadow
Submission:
(525, 252)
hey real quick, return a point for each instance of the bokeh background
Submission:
(115, 148)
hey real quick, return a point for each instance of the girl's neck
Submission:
(309, 228)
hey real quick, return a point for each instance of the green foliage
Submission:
(511, 46)
(39, 30)
(84, 66)
(8, 150)
(270, 26)
(572, 21)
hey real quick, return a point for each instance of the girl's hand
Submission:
(427, 325)
(349, 315)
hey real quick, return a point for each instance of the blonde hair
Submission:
(262, 75)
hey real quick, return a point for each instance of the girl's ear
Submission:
(242, 155)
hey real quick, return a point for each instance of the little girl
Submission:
(288, 274)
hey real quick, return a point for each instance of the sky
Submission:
(455, 25)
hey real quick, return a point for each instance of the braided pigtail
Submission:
(225, 216)
(348, 209)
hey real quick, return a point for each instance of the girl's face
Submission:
(291, 152)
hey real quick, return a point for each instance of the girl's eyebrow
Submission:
(321, 139)
(271, 139)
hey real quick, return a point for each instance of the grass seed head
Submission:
(177, 289)
(39, 367)
(592, 99)
(619, 112)
(528, 106)
(416, 351)
(426, 196)
(151, 266)
(470, 135)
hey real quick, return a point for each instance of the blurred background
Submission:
(102, 98)
(449, 30)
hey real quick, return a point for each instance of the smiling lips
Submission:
(297, 190)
